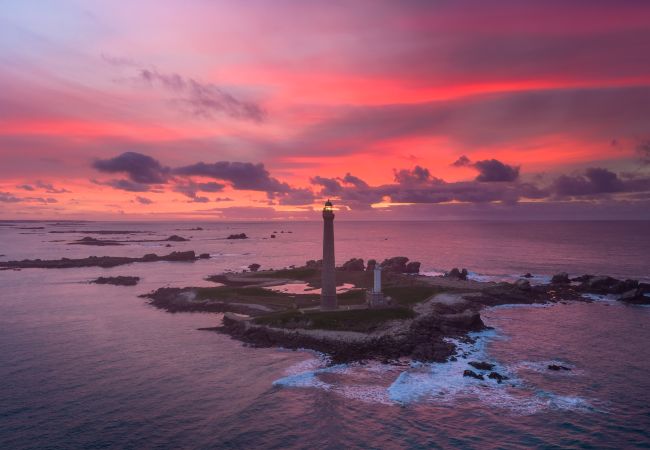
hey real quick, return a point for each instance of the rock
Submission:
(254, 267)
(180, 256)
(176, 238)
(457, 274)
(522, 284)
(372, 263)
(497, 376)
(413, 267)
(273, 236)
(557, 367)
(635, 297)
(481, 365)
(560, 278)
(204, 256)
(117, 281)
(582, 278)
(238, 236)
(395, 264)
(527, 275)
(96, 261)
(313, 264)
(353, 265)
(472, 374)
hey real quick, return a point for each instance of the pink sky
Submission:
(263, 109)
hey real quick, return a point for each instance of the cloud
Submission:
(124, 185)
(8, 197)
(462, 161)
(492, 170)
(597, 181)
(140, 168)
(190, 188)
(26, 187)
(144, 200)
(50, 189)
(297, 197)
(331, 186)
(242, 175)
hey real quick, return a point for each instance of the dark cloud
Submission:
(355, 181)
(492, 170)
(297, 196)
(416, 176)
(26, 187)
(242, 175)
(124, 185)
(597, 181)
(331, 186)
(140, 168)
(144, 200)
(191, 188)
(8, 197)
(50, 189)
(462, 161)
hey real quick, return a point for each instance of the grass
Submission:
(361, 320)
(299, 273)
(409, 295)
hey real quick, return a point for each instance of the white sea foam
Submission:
(437, 382)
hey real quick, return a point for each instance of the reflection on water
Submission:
(93, 366)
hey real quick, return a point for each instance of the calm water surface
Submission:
(91, 366)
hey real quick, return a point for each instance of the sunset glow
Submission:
(417, 110)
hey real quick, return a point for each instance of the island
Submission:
(280, 308)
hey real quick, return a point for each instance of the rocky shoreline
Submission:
(425, 313)
(99, 261)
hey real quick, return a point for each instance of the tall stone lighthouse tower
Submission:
(328, 292)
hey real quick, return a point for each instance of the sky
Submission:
(262, 110)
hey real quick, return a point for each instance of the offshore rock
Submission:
(413, 267)
(472, 374)
(560, 278)
(457, 274)
(353, 265)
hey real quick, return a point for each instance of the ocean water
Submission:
(94, 366)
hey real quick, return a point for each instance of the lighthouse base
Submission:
(377, 300)
(328, 303)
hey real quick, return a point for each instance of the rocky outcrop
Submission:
(472, 374)
(557, 367)
(96, 261)
(204, 256)
(93, 241)
(353, 265)
(412, 267)
(560, 278)
(313, 264)
(480, 365)
(117, 281)
(523, 284)
(372, 263)
(635, 297)
(237, 236)
(457, 274)
(400, 264)
(254, 267)
(176, 238)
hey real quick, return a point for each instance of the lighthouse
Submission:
(328, 291)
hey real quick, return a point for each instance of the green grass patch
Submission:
(299, 273)
(361, 320)
(230, 292)
(409, 295)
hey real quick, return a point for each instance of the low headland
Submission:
(280, 308)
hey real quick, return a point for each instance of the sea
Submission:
(87, 366)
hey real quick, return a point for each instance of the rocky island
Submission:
(269, 308)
